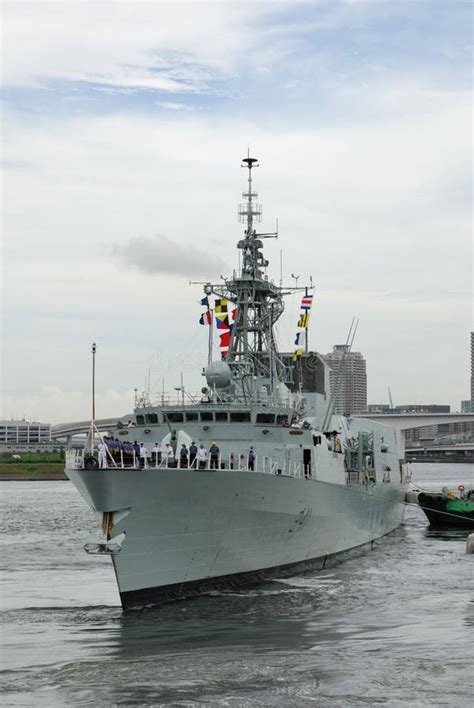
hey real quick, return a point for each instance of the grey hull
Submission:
(188, 532)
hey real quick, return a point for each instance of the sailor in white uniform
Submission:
(102, 448)
(202, 457)
(143, 454)
(168, 453)
(156, 454)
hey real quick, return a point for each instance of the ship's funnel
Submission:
(218, 374)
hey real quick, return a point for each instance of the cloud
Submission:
(366, 163)
(46, 404)
(161, 46)
(161, 255)
(173, 106)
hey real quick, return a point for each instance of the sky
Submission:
(123, 129)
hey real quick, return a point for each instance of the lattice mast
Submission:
(258, 302)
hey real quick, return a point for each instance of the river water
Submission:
(394, 627)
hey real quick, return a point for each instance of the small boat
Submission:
(449, 508)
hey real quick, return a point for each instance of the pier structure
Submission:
(456, 452)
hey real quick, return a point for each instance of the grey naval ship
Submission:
(293, 486)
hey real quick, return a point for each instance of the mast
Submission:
(254, 304)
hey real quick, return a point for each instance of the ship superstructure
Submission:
(291, 485)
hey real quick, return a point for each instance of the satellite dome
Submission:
(218, 374)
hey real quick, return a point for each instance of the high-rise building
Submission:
(352, 387)
(472, 372)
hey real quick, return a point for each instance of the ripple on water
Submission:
(392, 627)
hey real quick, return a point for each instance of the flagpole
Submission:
(209, 353)
(306, 328)
(93, 397)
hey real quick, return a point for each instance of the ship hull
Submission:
(189, 532)
(443, 511)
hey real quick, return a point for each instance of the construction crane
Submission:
(390, 399)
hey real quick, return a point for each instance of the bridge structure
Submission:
(407, 421)
(66, 431)
(400, 421)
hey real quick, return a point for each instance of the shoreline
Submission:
(33, 477)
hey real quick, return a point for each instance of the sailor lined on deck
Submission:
(136, 451)
(102, 448)
(202, 457)
(168, 453)
(142, 452)
(128, 453)
(251, 459)
(214, 456)
(156, 454)
(192, 454)
(183, 456)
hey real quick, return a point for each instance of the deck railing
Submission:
(76, 459)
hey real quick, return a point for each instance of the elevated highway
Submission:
(82, 427)
(408, 421)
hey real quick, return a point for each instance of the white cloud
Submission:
(48, 404)
(174, 106)
(372, 194)
(162, 255)
(121, 44)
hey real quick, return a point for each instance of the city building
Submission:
(21, 435)
(458, 431)
(350, 380)
(472, 372)
(379, 408)
(429, 432)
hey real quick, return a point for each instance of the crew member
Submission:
(183, 456)
(136, 451)
(169, 454)
(214, 456)
(156, 454)
(142, 455)
(202, 457)
(251, 460)
(192, 454)
(128, 452)
(102, 448)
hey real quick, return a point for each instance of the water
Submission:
(394, 627)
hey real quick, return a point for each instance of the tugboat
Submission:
(255, 477)
(449, 508)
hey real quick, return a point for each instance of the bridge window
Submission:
(240, 416)
(174, 417)
(267, 418)
(191, 417)
(140, 420)
(151, 418)
(207, 416)
(281, 419)
(221, 416)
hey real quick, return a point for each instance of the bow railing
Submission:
(262, 464)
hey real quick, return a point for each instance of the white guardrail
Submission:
(75, 459)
